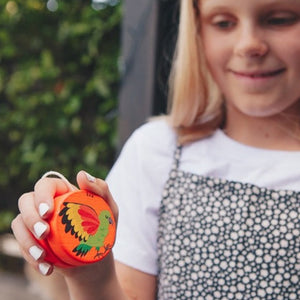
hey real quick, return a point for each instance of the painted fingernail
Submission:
(90, 177)
(44, 268)
(43, 209)
(35, 252)
(39, 229)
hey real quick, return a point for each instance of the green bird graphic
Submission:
(90, 229)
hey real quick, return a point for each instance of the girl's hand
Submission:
(35, 207)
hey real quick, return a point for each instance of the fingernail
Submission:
(44, 268)
(39, 229)
(43, 209)
(90, 177)
(35, 252)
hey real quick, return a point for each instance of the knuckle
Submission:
(14, 222)
(28, 220)
(41, 181)
(38, 183)
(103, 186)
(24, 198)
(45, 181)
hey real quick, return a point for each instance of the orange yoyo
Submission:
(82, 230)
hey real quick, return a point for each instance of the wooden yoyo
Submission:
(82, 230)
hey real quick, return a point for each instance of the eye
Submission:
(281, 19)
(224, 24)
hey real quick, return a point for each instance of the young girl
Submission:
(209, 196)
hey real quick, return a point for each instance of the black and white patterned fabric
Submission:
(219, 239)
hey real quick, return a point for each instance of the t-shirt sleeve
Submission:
(136, 182)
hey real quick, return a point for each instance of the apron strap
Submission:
(177, 157)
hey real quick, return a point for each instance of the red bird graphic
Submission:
(83, 222)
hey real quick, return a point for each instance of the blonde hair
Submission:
(195, 104)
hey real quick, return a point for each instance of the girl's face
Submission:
(253, 52)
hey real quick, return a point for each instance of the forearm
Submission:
(95, 282)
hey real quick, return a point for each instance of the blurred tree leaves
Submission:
(58, 91)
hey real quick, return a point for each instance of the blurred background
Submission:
(76, 78)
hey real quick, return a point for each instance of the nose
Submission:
(251, 42)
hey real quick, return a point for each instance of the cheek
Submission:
(289, 51)
(290, 55)
(294, 60)
(216, 55)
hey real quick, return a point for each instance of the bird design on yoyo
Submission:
(89, 228)
(82, 230)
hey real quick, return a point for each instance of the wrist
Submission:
(100, 271)
(94, 281)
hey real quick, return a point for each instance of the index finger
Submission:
(45, 190)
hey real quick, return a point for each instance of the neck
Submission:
(280, 132)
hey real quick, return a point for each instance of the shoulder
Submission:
(156, 137)
(149, 150)
(154, 131)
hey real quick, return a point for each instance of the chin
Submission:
(260, 113)
(261, 110)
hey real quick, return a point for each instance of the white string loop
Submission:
(61, 176)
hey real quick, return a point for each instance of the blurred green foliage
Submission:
(58, 91)
(6, 217)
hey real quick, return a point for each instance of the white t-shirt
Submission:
(138, 177)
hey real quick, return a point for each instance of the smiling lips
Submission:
(258, 74)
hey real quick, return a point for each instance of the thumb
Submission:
(98, 187)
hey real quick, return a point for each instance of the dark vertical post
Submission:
(166, 42)
(148, 31)
(138, 64)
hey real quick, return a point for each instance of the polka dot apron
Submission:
(220, 239)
